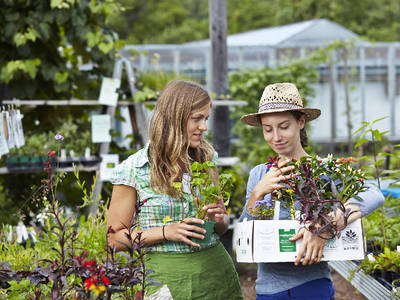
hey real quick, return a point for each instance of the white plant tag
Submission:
(3, 141)
(277, 210)
(186, 183)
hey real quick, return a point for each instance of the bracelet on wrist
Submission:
(163, 233)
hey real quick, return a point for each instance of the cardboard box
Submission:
(268, 241)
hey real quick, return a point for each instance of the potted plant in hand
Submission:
(322, 187)
(204, 191)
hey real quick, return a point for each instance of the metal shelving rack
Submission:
(365, 284)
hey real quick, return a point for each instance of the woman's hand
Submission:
(216, 211)
(183, 230)
(271, 181)
(312, 246)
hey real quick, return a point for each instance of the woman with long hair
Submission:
(282, 117)
(185, 269)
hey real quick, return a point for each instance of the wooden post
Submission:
(219, 75)
(347, 100)
(332, 78)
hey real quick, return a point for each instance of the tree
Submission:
(44, 44)
(162, 21)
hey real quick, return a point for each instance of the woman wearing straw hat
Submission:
(283, 118)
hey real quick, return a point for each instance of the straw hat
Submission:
(280, 97)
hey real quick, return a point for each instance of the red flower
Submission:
(106, 281)
(89, 282)
(89, 263)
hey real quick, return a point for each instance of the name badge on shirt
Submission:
(186, 183)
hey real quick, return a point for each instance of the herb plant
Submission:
(203, 189)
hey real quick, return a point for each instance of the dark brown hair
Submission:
(303, 132)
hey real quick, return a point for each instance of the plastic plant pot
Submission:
(25, 162)
(209, 227)
(12, 162)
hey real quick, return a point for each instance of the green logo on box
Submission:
(284, 244)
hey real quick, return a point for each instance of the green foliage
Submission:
(381, 227)
(44, 44)
(372, 226)
(77, 137)
(150, 83)
(23, 290)
(238, 189)
(203, 188)
(68, 251)
(389, 260)
(151, 21)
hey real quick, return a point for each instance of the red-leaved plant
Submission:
(71, 273)
(321, 187)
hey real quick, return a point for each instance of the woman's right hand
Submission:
(185, 229)
(271, 180)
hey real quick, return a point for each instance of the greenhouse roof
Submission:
(311, 33)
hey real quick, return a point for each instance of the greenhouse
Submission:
(373, 68)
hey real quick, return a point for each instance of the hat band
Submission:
(277, 105)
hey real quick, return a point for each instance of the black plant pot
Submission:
(24, 162)
(36, 163)
(65, 163)
(380, 276)
(12, 162)
(91, 162)
(390, 276)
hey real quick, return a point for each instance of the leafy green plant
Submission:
(203, 189)
(75, 33)
(67, 262)
(388, 260)
(382, 226)
(77, 136)
(376, 168)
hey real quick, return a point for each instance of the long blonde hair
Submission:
(170, 154)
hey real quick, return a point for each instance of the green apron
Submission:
(208, 274)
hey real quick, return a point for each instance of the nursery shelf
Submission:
(365, 284)
(215, 103)
(73, 102)
(5, 170)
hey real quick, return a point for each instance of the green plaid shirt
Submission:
(135, 172)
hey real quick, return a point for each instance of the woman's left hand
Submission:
(216, 211)
(312, 246)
